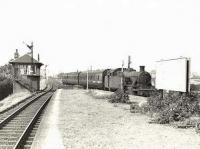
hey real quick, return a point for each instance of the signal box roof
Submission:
(25, 59)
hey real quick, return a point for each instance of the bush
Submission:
(173, 106)
(6, 88)
(195, 87)
(119, 96)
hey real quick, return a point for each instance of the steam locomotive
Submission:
(132, 81)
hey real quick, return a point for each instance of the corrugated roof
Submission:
(25, 59)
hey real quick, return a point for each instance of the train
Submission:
(132, 81)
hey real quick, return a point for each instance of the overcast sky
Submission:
(75, 34)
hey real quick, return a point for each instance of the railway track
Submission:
(18, 128)
(8, 111)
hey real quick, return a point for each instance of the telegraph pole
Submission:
(31, 48)
(45, 72)
(87, 80)
(122, 87)
(32, 63)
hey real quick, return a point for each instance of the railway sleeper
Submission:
(32, 134)
(27, 147)
(10, 135)
(9, 138)
(6, 146)
(29, 142)
(11, 131)
(8, 142)
(18, 123)
(14, 125)
(19, 117)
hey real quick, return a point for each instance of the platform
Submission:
(76, 120)
(48, 135)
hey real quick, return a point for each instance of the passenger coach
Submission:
(135, 82)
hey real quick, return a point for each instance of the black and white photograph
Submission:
(100, 74)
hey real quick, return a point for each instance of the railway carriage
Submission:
(71, 78)
(95, 79)
(133, 81)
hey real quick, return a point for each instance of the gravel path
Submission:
(83, 122)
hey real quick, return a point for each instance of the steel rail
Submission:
(8, 118)
(34, 95)
(21, 134)
(21, 142)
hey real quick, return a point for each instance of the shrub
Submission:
(6, 85)
(119, 96)
(173, 106)
(6, 88)
(195, 87)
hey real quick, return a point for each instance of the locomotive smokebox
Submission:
(142, 68)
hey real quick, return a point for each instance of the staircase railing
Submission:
(25, 83)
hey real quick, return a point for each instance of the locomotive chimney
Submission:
(142, 68)
(38, 57)
(129, 62)
(16, 55)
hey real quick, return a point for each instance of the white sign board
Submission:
(173, 74)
